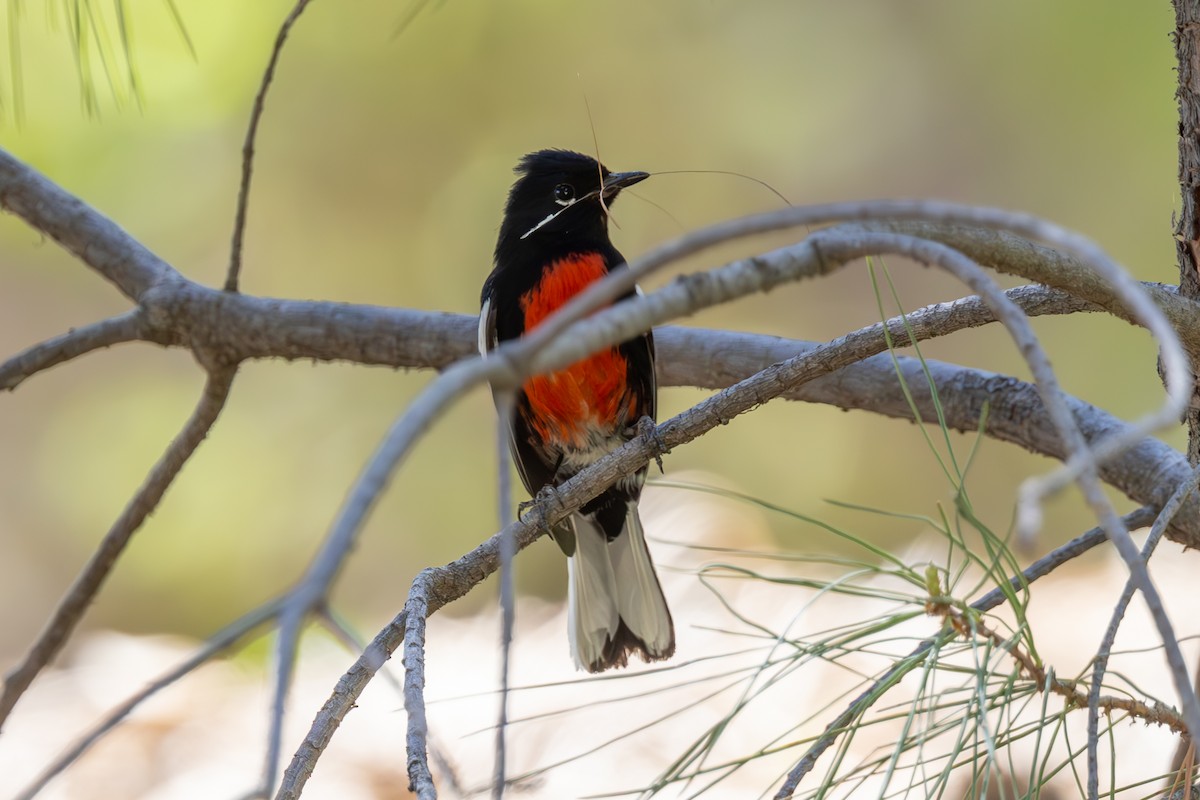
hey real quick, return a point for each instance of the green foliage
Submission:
(100, 37)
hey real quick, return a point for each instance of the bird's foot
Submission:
(647, 429)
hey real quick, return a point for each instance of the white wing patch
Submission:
(485, 315)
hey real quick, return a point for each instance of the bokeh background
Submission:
(383, 161)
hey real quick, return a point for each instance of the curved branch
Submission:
(1013, 255)
(69, 612)
(127, 327)
(95, 239)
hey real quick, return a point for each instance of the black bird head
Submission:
(561, 195)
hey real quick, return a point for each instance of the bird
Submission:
(553, 243)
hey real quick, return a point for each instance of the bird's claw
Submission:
(647, 429)
(545, 496)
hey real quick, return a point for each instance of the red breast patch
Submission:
(592, 393)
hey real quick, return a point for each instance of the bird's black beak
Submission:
(616, 181)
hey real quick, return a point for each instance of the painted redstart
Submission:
(553, 243)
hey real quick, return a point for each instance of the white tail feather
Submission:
(610, 583)
(591, 594)
(640, 600)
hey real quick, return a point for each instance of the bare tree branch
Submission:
(961, 624)
(1009, 407)
(1013, 255)
(240, 327)
(83, 591)
(96, 240)
(505, 404)
(239, 222)
(127, 327)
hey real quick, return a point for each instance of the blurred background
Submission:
(383, 162)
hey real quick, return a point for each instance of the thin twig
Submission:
(1040, 568)
(239, 221)
(127, 327)
(83, 591)
(340, 701)
(217, 644)
(508, 595)
(1100, 663)
(354, 642)
(973, 627)
(292, 617)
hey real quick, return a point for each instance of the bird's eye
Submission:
(564, 193)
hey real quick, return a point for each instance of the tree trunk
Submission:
(1187, 233)
(1187, 223)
